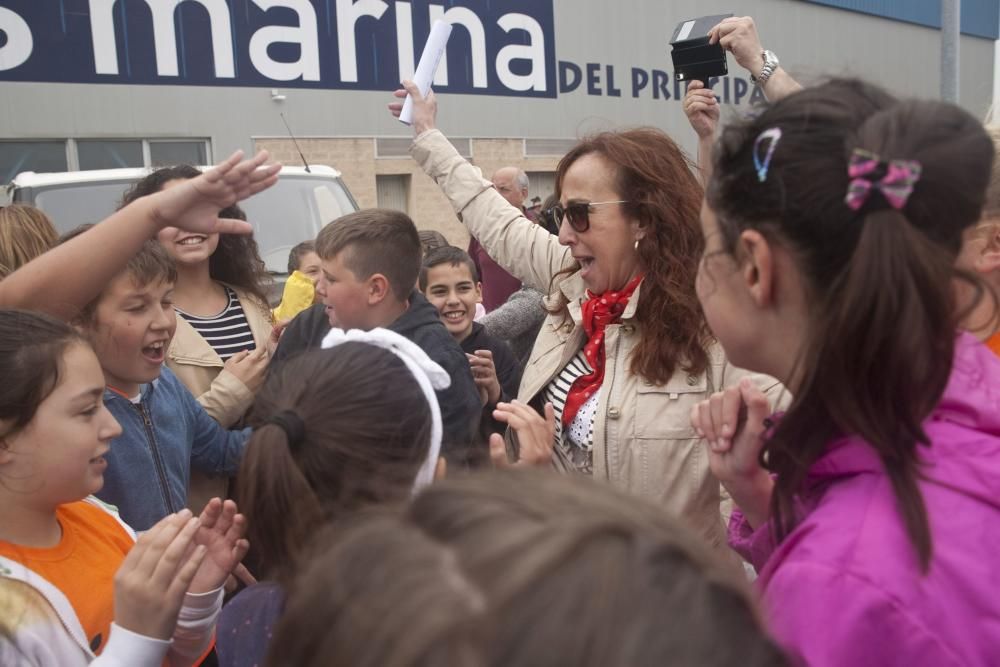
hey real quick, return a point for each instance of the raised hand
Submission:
(194, 204)
(151, 582)
(535, 435)
(424, 108)
(220, 532)
(702, 109)
(738, 35)
(732, 422)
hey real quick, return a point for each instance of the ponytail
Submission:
(280, 504)
(334, 430)
(894, 302)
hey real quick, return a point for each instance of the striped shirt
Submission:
(576, 439)
(228, 332)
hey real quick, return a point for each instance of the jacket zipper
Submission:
(157, 462)
(614, 373)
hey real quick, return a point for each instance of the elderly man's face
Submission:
(505, 181)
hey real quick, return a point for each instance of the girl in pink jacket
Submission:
(871, 508)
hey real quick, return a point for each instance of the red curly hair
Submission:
(655, 177)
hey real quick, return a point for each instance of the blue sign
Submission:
(497, 48)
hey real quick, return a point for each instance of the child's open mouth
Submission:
(454, 316)
(155, 353)
(192, 240)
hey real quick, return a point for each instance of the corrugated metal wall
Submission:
(626, 38)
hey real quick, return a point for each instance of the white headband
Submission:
(429, 375)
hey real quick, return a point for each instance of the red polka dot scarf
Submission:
(598, 312)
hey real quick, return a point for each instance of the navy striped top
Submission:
(228, 332)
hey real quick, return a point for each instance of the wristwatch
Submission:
(770, 64)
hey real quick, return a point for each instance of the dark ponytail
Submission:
(884, 316)
(335, 430)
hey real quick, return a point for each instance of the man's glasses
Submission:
(578, 213)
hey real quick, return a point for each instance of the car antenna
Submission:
(308, 171)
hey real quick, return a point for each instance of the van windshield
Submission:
(292, 211)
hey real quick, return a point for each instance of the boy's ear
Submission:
(479, 292)
(378, 289)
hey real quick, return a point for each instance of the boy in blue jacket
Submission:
(165, 431)
(130, 321)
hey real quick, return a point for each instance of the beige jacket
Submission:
(643, 440)
(225, 398)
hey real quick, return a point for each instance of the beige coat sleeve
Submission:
(227, 399)
(524, 249)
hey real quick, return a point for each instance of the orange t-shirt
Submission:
(83, 565)
(994, 343)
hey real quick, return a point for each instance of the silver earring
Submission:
(636, 246)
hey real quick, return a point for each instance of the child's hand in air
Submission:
(732, 422)
(535, 435)
(151, 582)
(193, 205)
(221, 533)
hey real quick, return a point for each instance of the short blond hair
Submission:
(25, 233)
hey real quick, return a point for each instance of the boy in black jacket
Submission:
(371, 260)
(451, 284)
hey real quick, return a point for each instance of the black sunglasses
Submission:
(578, 213)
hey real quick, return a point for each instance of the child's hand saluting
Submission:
(194, 205)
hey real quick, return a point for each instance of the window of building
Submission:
(40, 156)
(79, 154)
(393, 191)
(541, 184)
(167, 153)
(108, 154)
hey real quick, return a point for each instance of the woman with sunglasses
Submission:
(624, 353)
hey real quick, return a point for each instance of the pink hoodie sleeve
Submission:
(755, 546)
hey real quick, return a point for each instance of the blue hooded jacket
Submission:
(163, 436)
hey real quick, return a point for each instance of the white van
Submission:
(292, 211)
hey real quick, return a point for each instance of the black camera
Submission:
(694, 58)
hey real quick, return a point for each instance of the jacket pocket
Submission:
(664, 411)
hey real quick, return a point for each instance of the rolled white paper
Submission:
(437, 41)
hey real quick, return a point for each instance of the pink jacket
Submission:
(844, 588)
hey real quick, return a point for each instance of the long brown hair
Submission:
(883, 318)
(516, 569)
(365, 431)
(656, 179)
(25, 233)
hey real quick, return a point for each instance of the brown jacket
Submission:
(643, 439)
(225, 398)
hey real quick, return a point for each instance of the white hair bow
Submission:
(428, 374)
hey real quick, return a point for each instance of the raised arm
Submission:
(63, 280)
(702, 110)
(738, 35)
(526, 250)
